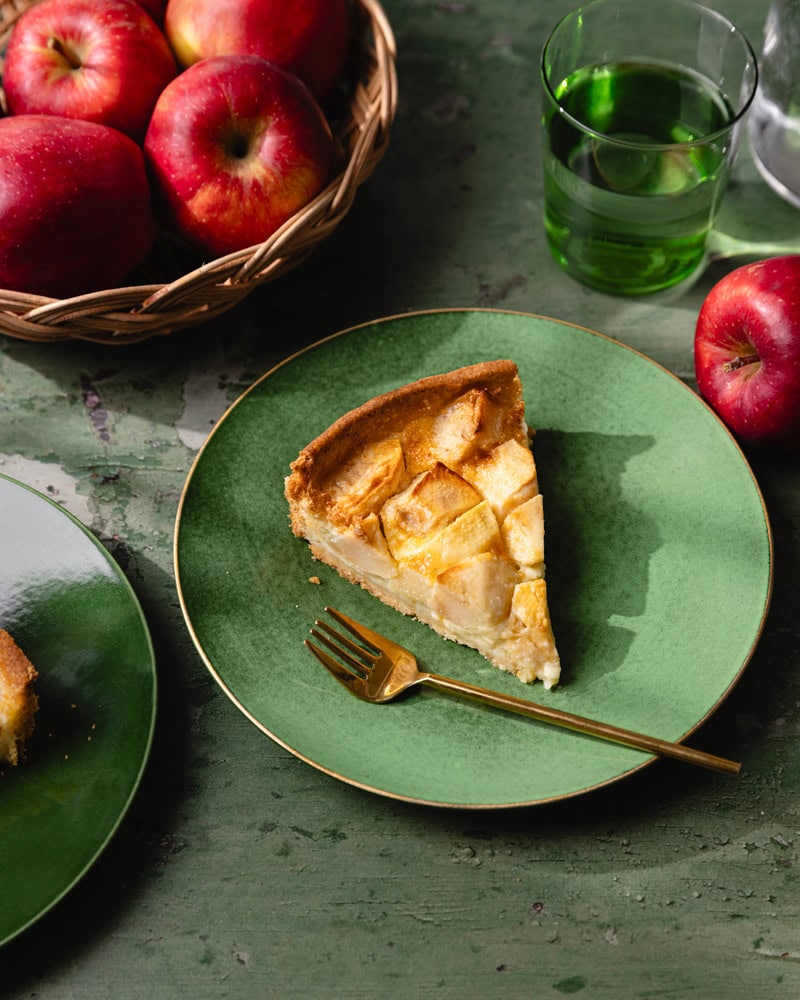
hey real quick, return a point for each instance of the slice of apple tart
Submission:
(427, 496)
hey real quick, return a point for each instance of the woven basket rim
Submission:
(132, 313)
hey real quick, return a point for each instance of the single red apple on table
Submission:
(747, 351)
(235, 147)
(75, 209)
(104, 61)
(309, 37)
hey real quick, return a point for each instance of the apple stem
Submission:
(740, 362)
(58, 46)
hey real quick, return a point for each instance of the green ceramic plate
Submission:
(659, 563)
(72, 611)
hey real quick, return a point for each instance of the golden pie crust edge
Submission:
(377, 418)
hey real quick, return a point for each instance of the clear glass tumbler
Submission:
(774, 125)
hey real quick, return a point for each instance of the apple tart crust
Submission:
(428, 497)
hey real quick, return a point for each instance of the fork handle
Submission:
(589, 727)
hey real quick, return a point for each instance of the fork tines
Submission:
(352, 653)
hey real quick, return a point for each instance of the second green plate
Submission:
(71, 609)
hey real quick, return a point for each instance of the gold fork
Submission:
(375, 669)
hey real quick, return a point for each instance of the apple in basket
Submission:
(105, 61)
(747, 351)
(235, 147)
(309, 37)
(74, 206)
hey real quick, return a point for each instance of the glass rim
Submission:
(655, 146)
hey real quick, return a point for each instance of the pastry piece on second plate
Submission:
(18, 700)
(428, 497)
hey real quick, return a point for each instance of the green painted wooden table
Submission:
(239, 870)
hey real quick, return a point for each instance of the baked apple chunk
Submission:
(428, 497)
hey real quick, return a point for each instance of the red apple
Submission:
(309, 37)
(747, 351)
(104, 61)
(74, 206)
(235, 147)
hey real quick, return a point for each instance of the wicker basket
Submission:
(175, 292)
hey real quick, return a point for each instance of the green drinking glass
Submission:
(643, 105)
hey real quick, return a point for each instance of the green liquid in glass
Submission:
(622, 215)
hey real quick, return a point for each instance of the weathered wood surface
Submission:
(242, 872)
